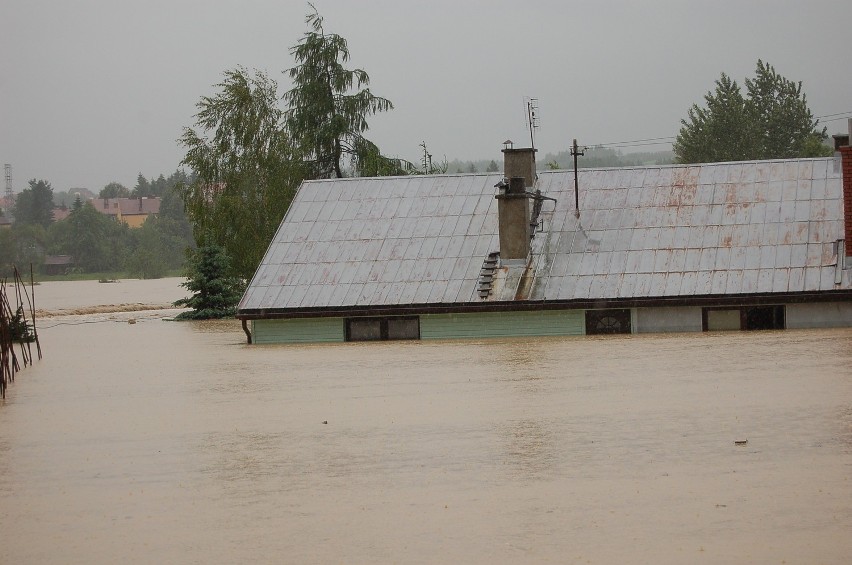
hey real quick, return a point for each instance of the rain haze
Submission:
(98, 91)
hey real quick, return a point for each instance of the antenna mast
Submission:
(9, 194)
(532, 118)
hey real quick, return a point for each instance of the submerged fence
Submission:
(17, 326)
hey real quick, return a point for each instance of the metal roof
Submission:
(671, 231)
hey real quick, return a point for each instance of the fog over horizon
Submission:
(95, 91)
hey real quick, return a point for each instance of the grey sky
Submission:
(93, 91)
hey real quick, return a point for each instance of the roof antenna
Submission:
(575, 151)
(532, 118)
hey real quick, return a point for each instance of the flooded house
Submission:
(680, 248)
(131, 211)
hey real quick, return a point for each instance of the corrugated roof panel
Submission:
(677, 260)
(780, 280)
(658, 284)
(646, 260)
(814, 255)
(628, 285)
(764, 280)
(424, 289)
(583, 286)
(661, 260)
(803, 211)
(587, 264)
(733, 284)
(673, 284)
(789, 188)
(692, 260)
(703, 282)
(767, 256)
(687, 283)
(643, 285)
(738, 257)
(723, 258)
(451, 291)
(752, 258)
(791, 170)
(797, 279)
(601, 262)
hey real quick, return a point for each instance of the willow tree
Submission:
(245, 171)
(328, 106)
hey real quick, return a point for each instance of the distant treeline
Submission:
(595, 157)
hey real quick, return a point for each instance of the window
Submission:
(745, 318)
(608, 321)
(375, 329)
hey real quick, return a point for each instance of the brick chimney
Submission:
(520, 163)
(513, 205)
(842, 146)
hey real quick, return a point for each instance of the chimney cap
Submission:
(840, 140)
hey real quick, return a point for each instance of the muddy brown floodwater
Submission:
(165, 442)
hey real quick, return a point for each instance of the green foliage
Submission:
(248, 157)
(326, 121)
(245, 172)
(158, 187)
(153, 252)
(95, 241)
(492, 167)
(19, 327)
(772, 121)
(34, 205)
(114, 190)
(215, 292)
(23, 244)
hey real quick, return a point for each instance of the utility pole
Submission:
(575, 151)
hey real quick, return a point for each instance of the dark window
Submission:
(745, 318)
(403, 328)
(365, 329)
(608, 321)
(763, 318)
(372, 329)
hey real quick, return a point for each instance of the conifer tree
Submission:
(773, 121)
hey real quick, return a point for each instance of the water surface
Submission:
(165, 442)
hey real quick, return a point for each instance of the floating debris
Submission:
(741, 442)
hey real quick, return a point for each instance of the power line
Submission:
(671, 137)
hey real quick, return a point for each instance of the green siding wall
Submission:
(299, 330)
(502, 324)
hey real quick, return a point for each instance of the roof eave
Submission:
(708, 300)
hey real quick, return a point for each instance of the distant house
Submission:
(720, 246)
(57, 264)
(61, 213)
(131, 211)
(5, 222)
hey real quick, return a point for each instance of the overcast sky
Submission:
(93, 91)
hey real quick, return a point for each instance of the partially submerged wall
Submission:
(821, 315)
